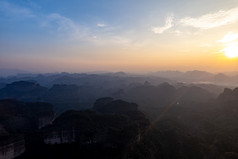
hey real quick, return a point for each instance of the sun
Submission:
(231, 51)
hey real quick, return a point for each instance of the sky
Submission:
(119, 35)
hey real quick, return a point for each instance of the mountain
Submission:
(90, 134)
(186, 76)
(11, 72)
(62, 93)
(186, 120)
(147, 95)
(23, 90)
(19, 121)
(168, 139)
(229, 98)
(203, 77)
(108, 105)
(222, 79)
(197, 75)
(169, 74)
(163, 94)
(193, 94)
(19, 116)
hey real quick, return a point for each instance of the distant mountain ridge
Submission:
(12, 72)
(199, 77)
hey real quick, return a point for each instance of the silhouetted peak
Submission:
(220, 75)
(108, 105)
(166, 85)
(229, 95)
(64, 87)
(235, 91)
(64, 73)
(196, 73)
(194, 94)
(147, 83)
(120, 74)
(227, 91)
(23, 84)
(102, 101)
(23, 90)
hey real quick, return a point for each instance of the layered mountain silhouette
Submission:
(116, 115)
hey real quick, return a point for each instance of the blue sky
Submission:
(114, 35)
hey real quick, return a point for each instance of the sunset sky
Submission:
(119, 35)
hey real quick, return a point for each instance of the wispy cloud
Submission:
(64, 26)
(101, 25)
(212, 20)
(231, 42)
(168, 25)
(68, 29)
(16, 11)
(229, 37)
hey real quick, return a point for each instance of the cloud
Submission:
(16, 11)
(168, 25)
(66, 27)
(212, 20)
(101, 25)
(206, 21)
(231, 42)
(62, 23)
(229, 37)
